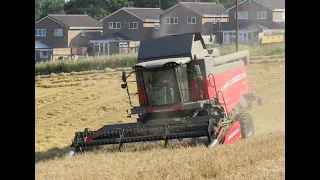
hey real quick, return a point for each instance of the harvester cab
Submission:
(163, 69)
(184, 91)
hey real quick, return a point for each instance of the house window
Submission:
(172, 20)
(44, 54)
(283, 15)
(243, 37)
(225, 38)
(40, 32)
(124, 44)
(261, 15)
(57, 32)
(96, 47)
(114, 25)
(82, 33)
(214, 20)
(229, 37)
(191, 20)
(241, 15)
(156, 25)
(133, 25)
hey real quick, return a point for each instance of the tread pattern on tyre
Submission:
(245, 118)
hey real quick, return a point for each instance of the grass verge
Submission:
(128, 60)
(263, 50)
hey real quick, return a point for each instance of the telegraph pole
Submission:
(237, 26)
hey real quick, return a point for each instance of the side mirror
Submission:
(124, 76)
(123, 86)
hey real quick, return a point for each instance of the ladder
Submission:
(217, 93)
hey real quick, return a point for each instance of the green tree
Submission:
(44, 7)
(101, 8)
(37, 9)
(168, 3)
(228, 3)
(95, 8)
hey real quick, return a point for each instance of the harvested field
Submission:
(260, 158)
(69, 102)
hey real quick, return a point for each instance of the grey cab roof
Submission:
(179, 45)
(161, 63)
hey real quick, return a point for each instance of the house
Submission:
(255, 17)
(192, 17)
(42, 52)
(66, 31)
(123, 26)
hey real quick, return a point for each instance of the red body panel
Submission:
(88, 138)
(234, 134)
(142, 95)
(232, 84)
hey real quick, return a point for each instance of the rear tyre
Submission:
(247, 126)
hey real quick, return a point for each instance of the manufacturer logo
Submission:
(233, 80)
(234, 133)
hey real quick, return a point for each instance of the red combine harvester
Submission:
(184, 91)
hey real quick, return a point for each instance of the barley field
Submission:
(70, 102)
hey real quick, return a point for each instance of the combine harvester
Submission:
(185, 91)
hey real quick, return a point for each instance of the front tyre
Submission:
(246, 123)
